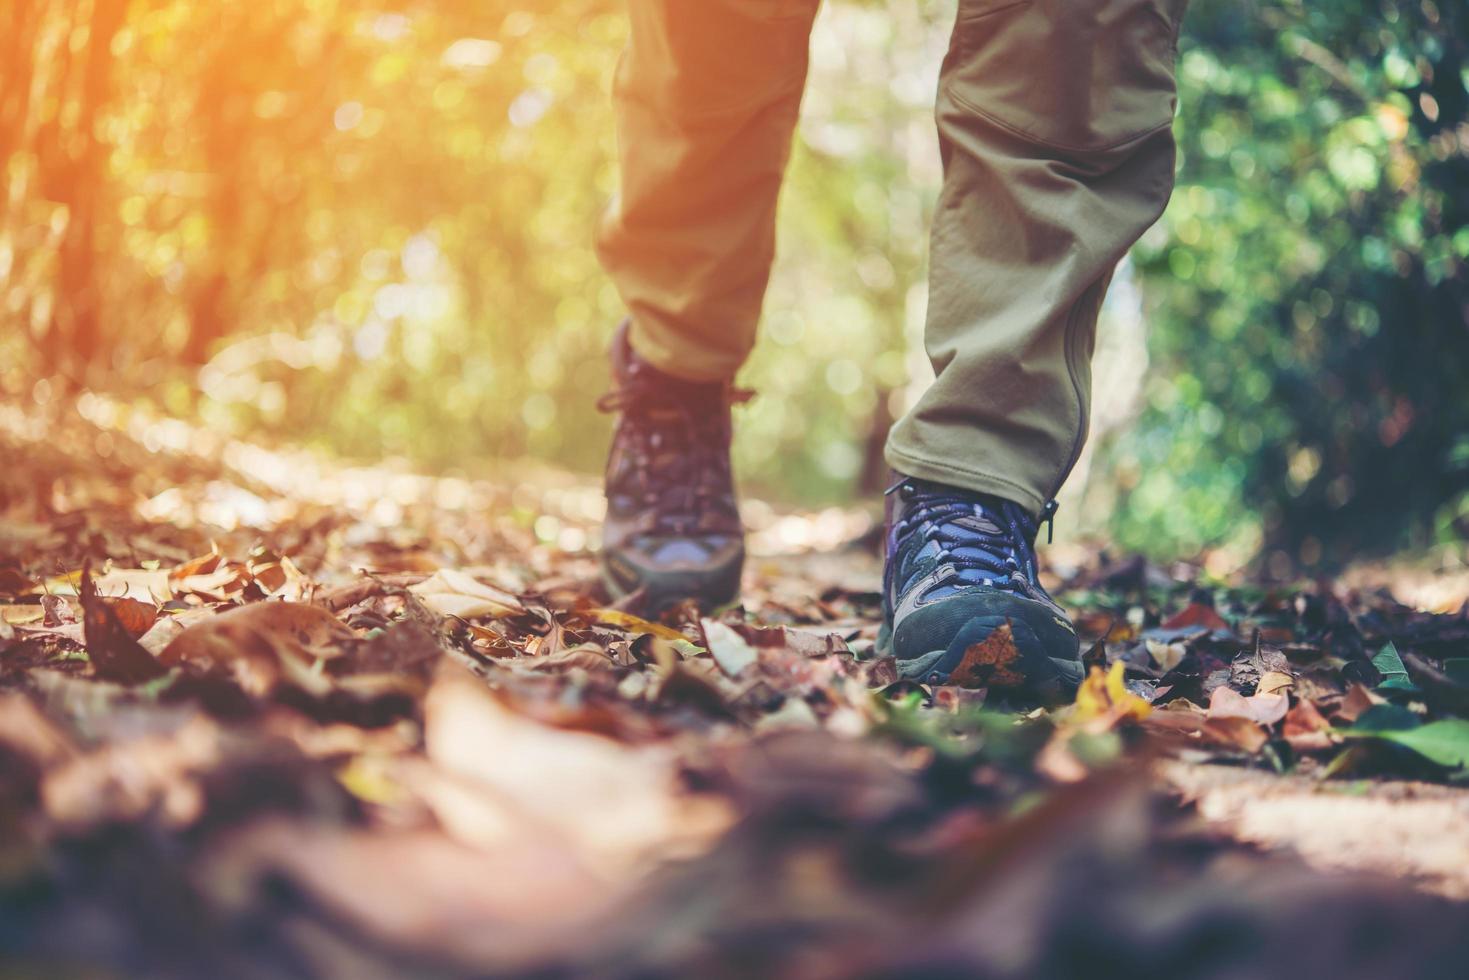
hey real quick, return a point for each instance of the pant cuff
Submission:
(676, 356)
(953, 476)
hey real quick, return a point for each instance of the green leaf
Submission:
(1394, 674)
(1386, 718)
(1444, 742)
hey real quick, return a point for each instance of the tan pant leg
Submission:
(1054, 123)
(707, 96)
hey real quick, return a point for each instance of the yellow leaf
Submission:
(1124, 702)
(1103, 695)
(634, 624)
(1091, 697)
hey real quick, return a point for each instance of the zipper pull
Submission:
(1048, 518)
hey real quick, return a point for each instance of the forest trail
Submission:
(266, 715)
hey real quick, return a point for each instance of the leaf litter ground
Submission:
(265, 716)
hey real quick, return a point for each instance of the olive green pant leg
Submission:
(707, 96)
(1054, 122)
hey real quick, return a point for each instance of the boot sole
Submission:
(710, 588)
(1048, 679)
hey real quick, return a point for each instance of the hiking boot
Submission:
(672, 528)
(960, 566)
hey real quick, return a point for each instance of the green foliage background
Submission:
(368, 225)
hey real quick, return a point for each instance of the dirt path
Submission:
(263, 715)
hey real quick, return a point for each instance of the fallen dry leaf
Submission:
(1197, 615)
(634, 624)
(22, 615)
(453, 593)
(497, 907)
(990, 663)
(729, 650)
(114, 650)
(1357, 700)
(620, 804)
(1103, 697)
(264, 643)
(1180, 715)
(1265, 709)
(1236, 731)
(1274, 682)
(1306, 729)
(136, 616)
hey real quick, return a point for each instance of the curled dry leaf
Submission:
(136, 616)
(113, 648)
(264, 643)
(1275, 682)
(453, 593)
(634, 624)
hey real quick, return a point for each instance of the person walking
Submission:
(1055, 131)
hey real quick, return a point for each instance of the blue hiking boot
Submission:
(672, 528)
(960, 568)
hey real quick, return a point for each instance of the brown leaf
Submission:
(114, 650)
(22, 615)
(1200, 615)
(620, 804)
(12, 582)
(1176, 716)
(1306, 729)
(633, 624)
(1275, 682)
(1237, 732)
(124, 780)
(1357, 700)
(136, 616)
(587, 656)
(1265, 709)
(264, 643)
(202, 565)
(990, 662)
(799, 641)
(499, 906)
(450, 592)
(23, 728)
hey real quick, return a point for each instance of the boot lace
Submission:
(986, 541)
(679, 452)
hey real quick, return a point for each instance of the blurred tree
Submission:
(1308, 287)
(368, 223)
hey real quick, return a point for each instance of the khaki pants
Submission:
(1054, 120)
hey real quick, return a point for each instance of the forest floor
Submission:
(264, 715)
